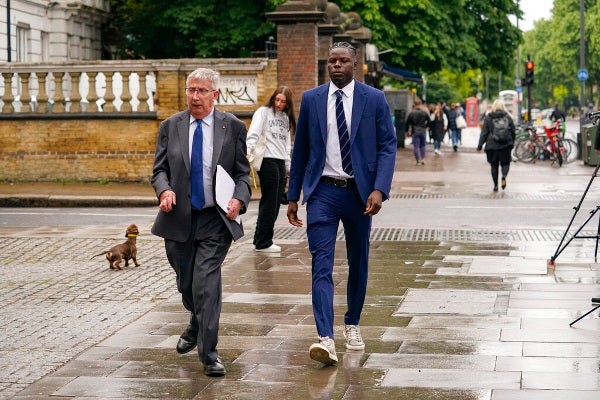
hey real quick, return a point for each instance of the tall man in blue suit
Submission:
(343, 160)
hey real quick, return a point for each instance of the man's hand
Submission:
(373, 203)
(167, 200)
(292, 214)
(233, 209)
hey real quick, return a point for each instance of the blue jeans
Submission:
(455, 137)
(419, 142)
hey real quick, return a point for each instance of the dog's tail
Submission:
(99, 254)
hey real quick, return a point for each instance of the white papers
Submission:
(224, 189)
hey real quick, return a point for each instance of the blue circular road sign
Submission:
(582, 74)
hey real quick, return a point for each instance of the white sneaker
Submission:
(324, 351)
(271, 249)
(437, 152)
(353, 338)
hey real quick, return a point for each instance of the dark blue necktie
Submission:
(196, 172)
(343, 133)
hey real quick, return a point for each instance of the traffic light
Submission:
(529, 73)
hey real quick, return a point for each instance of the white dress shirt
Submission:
(333, 157)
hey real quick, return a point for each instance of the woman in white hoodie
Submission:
(275, 120)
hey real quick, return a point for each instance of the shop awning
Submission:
(401, 74)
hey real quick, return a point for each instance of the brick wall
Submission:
(297, 54)
(101, 146)
(77, 149)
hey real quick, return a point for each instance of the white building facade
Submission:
(51, 31)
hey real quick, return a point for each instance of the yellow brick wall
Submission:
(92, 148)
(77, 150)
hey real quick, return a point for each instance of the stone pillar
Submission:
(360, 37)
(297, 47)
(326, 33)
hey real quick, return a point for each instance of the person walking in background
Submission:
(417, 123)
(446, 111)
(498, 136)
(276, 120)
(454, 130)
(438, 126)
(558, 114)
(461, 112)
(343, 162)
(198, 233)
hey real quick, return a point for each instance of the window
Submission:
(45, 46)
(23, 33)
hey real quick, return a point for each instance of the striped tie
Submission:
(196, 169)
(343, 133)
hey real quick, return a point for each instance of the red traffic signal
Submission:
(528, 73)
(529, 65)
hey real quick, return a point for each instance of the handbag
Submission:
(461, 123)
(258, 152)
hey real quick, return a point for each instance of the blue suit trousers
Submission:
(327, 206)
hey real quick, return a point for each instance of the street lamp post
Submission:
(582, 57)
(518, 68)
(8, 30)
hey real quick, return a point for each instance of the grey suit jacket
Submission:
(172, 171)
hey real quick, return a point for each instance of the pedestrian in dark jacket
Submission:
(438, 126)
(558, 114)
(498, 150)
(417, 123)
(455, 131)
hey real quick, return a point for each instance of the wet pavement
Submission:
(470, 311)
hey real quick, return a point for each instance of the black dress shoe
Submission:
(185, 346)
(214, 369)
(187, 341)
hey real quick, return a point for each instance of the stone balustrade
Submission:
(106, 86)
(99, 120)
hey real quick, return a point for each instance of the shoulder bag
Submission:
(258, 152)
(460, 122)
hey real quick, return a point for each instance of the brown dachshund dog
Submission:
(123, 251)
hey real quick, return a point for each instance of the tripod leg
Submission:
(560, 247)
(597, 238)
(585, 315)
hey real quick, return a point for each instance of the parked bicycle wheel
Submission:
(559, 149)
(526, 150)
(524, 136)
(571, 150)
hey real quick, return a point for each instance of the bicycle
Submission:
(566, 149)
(545, 142)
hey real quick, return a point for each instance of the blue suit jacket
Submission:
(372, 142)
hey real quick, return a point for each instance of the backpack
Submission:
(500, 129)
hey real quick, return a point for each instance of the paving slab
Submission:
(463, 311)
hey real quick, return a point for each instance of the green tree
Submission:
(430, 35)
(426, 35)
(554, 46)
(183, 28)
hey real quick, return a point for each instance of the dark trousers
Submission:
(328, 205)
(197, 264)
(419, 141)
(498, 157)
(272, 186)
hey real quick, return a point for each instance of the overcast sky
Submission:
(534, 10)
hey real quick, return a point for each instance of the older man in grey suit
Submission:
(197, 232)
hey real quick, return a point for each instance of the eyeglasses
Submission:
(201, 91)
